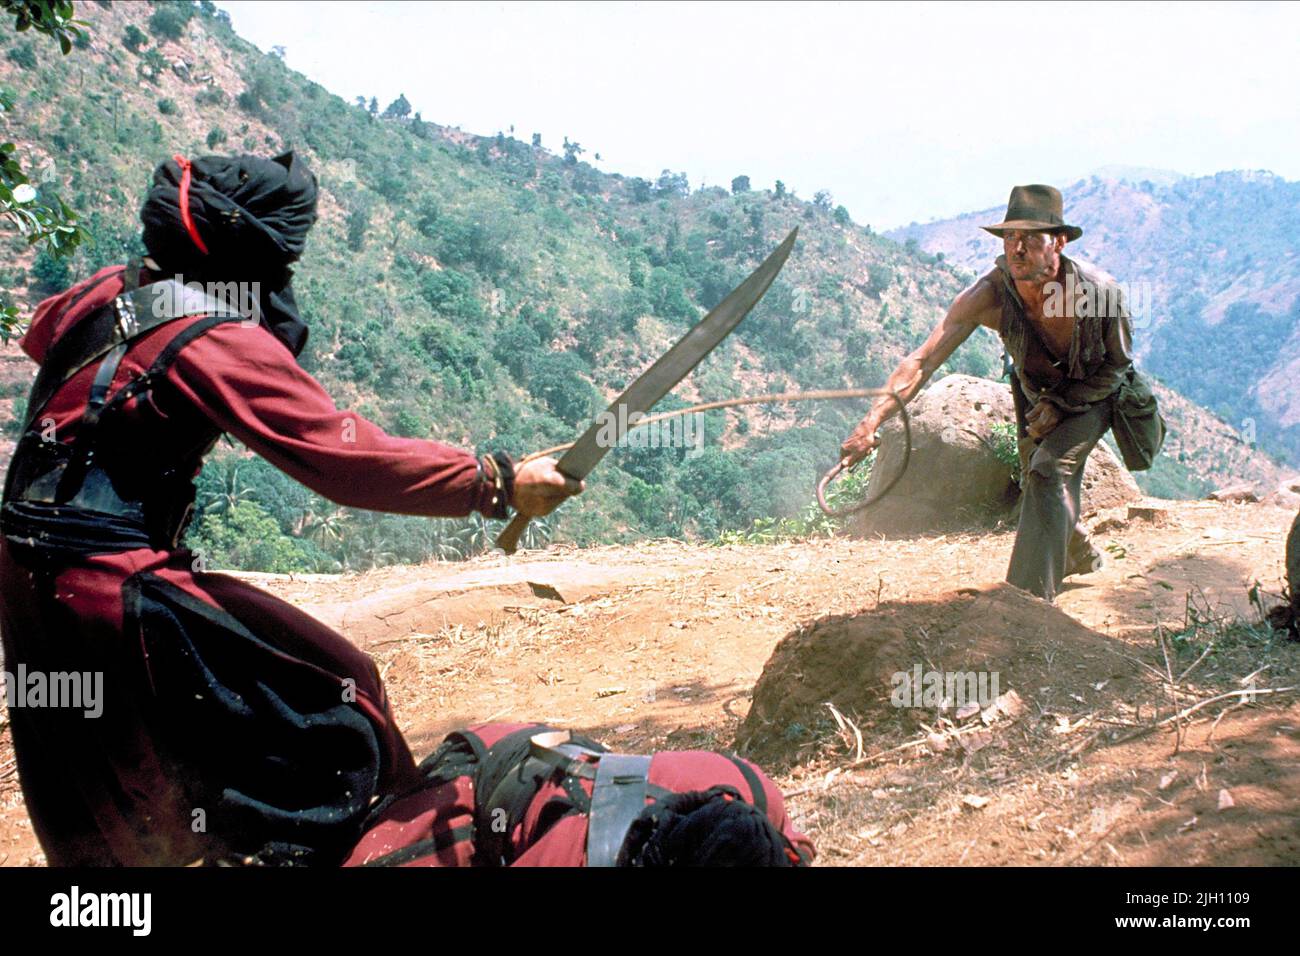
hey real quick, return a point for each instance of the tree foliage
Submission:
(45, 222)
(400, 108)
(169, 18)
(492, 295)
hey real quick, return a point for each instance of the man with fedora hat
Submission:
(1072, 354)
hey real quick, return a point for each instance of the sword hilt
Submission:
(508, 539)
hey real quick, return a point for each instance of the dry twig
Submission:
(846, 727)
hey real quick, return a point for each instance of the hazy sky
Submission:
(903, 111)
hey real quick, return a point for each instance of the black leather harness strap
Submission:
(60, 499)
(756, 791)
(159, 303)
(617, 799)
(102, 334)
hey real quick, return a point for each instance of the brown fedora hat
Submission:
(1036, 208)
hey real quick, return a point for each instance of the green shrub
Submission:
(24, 54)
(133, 38)
(246, 538)
(1002, 439)
(249, 102)
(358, 223)
(213, 96)
(151, 66)
(50, 272)
(557, 379)
(169, 19)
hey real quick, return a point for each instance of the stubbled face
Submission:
(1033, 256)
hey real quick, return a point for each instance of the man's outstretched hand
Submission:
(860, 444)
(540, 487)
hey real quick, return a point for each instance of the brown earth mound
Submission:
(851, 661)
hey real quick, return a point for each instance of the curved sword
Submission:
(658, 380)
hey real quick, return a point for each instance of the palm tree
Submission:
(231, 490)
(327, 528)
(441, 542)
(482, 534)
(537, 534)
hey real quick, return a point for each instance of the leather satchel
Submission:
(1138, 426)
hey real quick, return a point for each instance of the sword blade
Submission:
(658, 380)
(675, 364)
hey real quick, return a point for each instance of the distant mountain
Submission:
(1214, 264)
(1137, 175)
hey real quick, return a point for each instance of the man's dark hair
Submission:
(712, 827)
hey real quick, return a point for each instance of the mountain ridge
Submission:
(491, 293)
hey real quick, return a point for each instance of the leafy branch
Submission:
(43, 222)
(51, 17)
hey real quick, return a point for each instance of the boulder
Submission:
(1243, 493)
(1287, 494)
(1106, 482)
(955, 479)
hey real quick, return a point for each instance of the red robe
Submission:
(98, 791)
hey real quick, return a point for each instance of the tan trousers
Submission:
(1049, 533)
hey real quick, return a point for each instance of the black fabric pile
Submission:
(253, 215)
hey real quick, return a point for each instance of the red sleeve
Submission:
(250, 386)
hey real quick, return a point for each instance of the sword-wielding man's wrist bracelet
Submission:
(499, 471)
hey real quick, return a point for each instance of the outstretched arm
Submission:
(975, 306)
(249, 385)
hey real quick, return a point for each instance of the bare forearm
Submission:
(970, 310)
(906, 381)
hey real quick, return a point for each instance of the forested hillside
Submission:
(487, 291)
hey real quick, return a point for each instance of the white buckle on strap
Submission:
(124, 312)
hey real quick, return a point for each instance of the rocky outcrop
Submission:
(956, 477)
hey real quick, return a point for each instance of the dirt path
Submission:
(661, 646)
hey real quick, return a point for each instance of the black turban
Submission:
(251, 214)
(704, 828)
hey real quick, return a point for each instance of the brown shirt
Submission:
(1101, 343)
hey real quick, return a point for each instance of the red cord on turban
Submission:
(184, 164)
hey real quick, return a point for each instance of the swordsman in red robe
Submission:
(233, 727)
